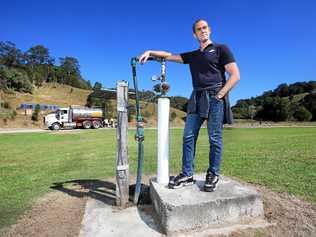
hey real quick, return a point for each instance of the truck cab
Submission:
(61, 118)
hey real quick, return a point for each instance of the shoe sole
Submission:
(181, 185)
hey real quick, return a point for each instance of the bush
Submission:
(16, 80)
(6, 105)
(173, 115)
(13, 114)
(147, 114)
(36, 112)
(302, 114)
(131, 113)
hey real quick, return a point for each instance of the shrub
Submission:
(147, 114)
(6, 105)
(302, 114)
(173, 115)
(13, 114)
(36, 112)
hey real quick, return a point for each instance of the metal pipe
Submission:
(163, 141)
(163, 128)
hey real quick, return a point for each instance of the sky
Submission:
(273, 42)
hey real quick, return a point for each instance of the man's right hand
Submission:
(143, 58)
(160, 54)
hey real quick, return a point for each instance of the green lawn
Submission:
(283, 159)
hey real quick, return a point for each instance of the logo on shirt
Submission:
(212, 50)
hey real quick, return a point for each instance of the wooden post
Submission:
(122, 182)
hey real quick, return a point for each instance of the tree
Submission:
(97, 86)
(108, 109)
(70, 73)
(10, 56)
(244, 109)
(39, 64)
(36, 113)
(15, 79)
(302, 114)
(38, 55)
(89, 85)
(310, 104)
(274, 109)
(282, 90)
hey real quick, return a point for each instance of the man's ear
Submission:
(194, 35)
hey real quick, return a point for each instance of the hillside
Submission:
(293, 102)
(64, 95)
(61, 95)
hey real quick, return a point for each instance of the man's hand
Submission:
(143, 58)
(159, 54)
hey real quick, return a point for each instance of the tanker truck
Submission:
(74, 118)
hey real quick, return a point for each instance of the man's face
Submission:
(202, 31)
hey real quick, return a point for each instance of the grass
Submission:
(283, 159)
(62, 95)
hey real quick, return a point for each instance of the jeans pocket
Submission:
(216, 99)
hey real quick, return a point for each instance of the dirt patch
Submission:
(290, 215)
(60, 212)
(56, 214)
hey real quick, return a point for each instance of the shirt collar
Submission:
(208, 47)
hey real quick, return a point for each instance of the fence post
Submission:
(122, 173)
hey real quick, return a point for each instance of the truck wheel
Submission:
(96, 124)
(55, 126)
(86, 124)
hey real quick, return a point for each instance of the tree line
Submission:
(21, 71)
(293, 102)
(101, 98)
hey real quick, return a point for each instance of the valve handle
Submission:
(155, 78)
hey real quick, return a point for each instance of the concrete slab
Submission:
(190, 208)
(101, 219)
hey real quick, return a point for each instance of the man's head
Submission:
(201, 30)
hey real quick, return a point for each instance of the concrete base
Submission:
(190, 208)
(101, 219)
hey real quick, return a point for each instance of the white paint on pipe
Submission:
(163, 141)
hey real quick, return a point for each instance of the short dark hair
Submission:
(197, 21)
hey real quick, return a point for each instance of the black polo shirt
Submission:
(208, 66)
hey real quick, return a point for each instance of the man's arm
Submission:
(234, 77)
(160, 54)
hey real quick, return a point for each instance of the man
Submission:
(209, 100)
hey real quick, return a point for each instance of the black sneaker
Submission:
(211, 181)
(180, 181)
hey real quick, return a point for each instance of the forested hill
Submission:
(294, 102)
(20, 71)
(99, 96)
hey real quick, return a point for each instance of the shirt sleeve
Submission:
(187, 57)
(226, 56)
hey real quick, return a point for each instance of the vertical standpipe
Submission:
(163, 141)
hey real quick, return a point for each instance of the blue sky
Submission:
(274, 42)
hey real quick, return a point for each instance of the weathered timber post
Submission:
(122, 182)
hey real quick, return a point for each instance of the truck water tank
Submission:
(85, 113)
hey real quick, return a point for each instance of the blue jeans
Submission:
(191, 132)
